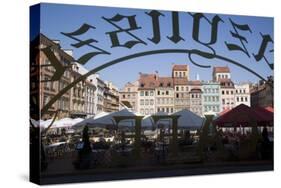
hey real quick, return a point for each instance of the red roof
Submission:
(245, 116)
(180, 67)
(165, 82)
(150, 81)
(221, 70)
(147, 81)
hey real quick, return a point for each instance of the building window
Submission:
(146, 102)
(246, 99)
(167, 92)
(177, 88)
(141, 101)
(222, 92)
(237, 99)
(151, 93)
(141, 93)
(158, 92)
(146, 93)
(177, 95)
(151, 102)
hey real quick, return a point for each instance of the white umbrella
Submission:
(89, 121)
(77, 120)
(46, 123)
(64, 123)
(105, 120)
(37, 123)
(189, 120)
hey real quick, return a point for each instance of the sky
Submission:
(57, 18)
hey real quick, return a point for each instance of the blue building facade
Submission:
(211, 97)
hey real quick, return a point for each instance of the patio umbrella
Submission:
(162, 122)
(64, 123)
(241, 115)
(147, 122)
(189, 120)
(37, 123)
(107, 120)
(90, 121)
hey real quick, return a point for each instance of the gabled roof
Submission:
(165, 82)
(147, 81)
(151, 81)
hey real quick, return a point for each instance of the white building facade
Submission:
(242, 94)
